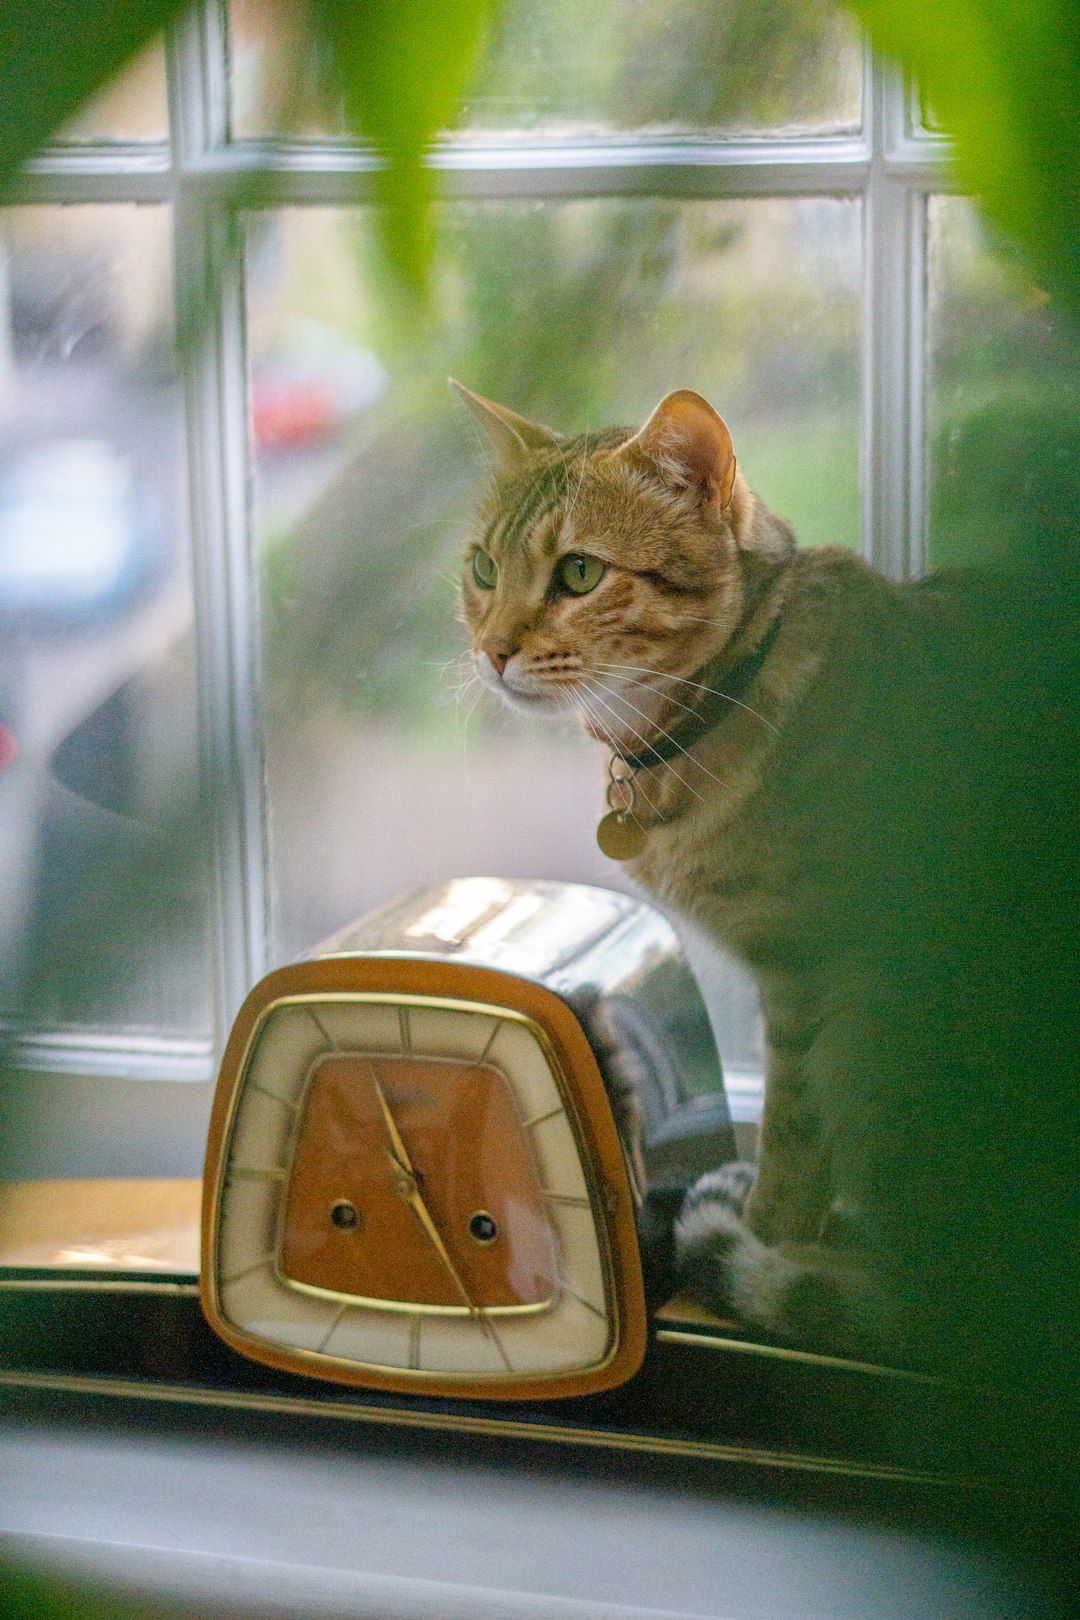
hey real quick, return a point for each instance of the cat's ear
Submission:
(689, 445)
(511, 436)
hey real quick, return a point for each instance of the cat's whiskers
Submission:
(465, 670)
(637, 736)
(465, 725)
(631, 680)
(669, 738)
(598, 722)
(462, 663)
(466, 685)
(646, 745)
(681, 680)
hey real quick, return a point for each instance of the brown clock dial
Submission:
(413, 1182)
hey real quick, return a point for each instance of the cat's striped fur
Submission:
(821, 827)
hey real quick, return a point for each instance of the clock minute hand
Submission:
(426, 1221)
(406, 1178)
(407, 1184)
(405, 1181)
(424, 1215)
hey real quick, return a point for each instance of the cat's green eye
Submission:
(579, 573)
(485, 570)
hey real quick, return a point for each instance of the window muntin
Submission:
(103, 896)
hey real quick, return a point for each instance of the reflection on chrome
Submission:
(614, 959)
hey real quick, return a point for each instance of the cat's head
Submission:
(600, 563)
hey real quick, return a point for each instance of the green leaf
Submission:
(402, 68)
(1003, 78)
(54, 54)
(399, 67)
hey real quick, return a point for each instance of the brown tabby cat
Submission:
(796, 749)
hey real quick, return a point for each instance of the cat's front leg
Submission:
(791, 1191)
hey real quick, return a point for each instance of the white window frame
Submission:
(892, 166)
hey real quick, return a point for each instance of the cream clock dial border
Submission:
(576, 1332)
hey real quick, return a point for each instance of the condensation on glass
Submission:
(1002, 395)
(384, 772)
(102, 910)
(134, 106)
(729, 68)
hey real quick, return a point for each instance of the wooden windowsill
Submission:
(101, 1225)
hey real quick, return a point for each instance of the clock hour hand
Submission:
(413, 1197)
(405, 1182)
(399, 1153)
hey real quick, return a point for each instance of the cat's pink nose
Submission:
(499, 653)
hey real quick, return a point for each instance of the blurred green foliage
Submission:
(401, 70)
(398, 68)
(54, 54)
(1003, 80)
(36, 1597)
(1003, 405)
(1002, 77)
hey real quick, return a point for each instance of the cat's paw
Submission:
(728, 1188)
(810, 1295)
(710, 1229)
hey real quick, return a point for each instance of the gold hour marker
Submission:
(565, 1198)
(264, 1091)
(321, 1027)
(488, 1326)
(589, 1306)
(254, 1172)
(490, 1040)
(403, 1026)
(414, 1342)
(245, 1271)
(538, 1119)
(332, 1329)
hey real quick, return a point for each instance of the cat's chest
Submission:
(734, 870)
(765, 839)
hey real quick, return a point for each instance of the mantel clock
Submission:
(415, 1179)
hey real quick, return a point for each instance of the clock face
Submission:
(405, 1194)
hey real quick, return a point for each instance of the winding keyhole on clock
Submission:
(345, 1215)
(483, 1227)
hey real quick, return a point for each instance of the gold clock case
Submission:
(415, 984)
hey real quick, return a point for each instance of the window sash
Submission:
(891, 165)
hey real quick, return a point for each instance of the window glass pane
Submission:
(557, 68)
(132, 107)
(734, 66)
(101, 905)
(1004, 407)
(384, 772)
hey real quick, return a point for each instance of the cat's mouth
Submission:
(525, 692)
